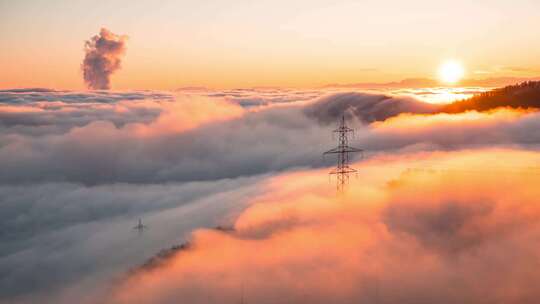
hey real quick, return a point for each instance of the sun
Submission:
(451, 71)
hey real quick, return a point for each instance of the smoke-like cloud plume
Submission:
(103, 57)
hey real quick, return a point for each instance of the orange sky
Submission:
(276, 43)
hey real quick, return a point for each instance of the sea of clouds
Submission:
(80, 168)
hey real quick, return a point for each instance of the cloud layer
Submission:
(365, 107)
(190, 138)
(468, 236)
(79, 169)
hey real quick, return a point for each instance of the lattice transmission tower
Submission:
(140, 227)
(343, 149)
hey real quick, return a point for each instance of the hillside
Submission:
(523, 95)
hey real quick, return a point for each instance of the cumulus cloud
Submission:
(30, 96)
(367, 107)
(42, 112)
(465, 237)
(102, 58)
(260, 97)
(196, 138)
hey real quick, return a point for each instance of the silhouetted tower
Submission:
(140, 227)
(343, 149)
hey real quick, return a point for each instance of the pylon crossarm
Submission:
(342, 130)
(335, 150)
(346, 149)
(351, 149)
(344, 170)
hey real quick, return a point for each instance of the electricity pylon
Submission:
(140, 227)
(343, 149)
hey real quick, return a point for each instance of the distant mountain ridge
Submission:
(523, 95)
(428, 82)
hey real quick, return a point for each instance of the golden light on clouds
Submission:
(451, 72)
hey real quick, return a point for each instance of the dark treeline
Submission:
(523, 95)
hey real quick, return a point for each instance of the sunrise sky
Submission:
(225, 44)
(160, 151)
